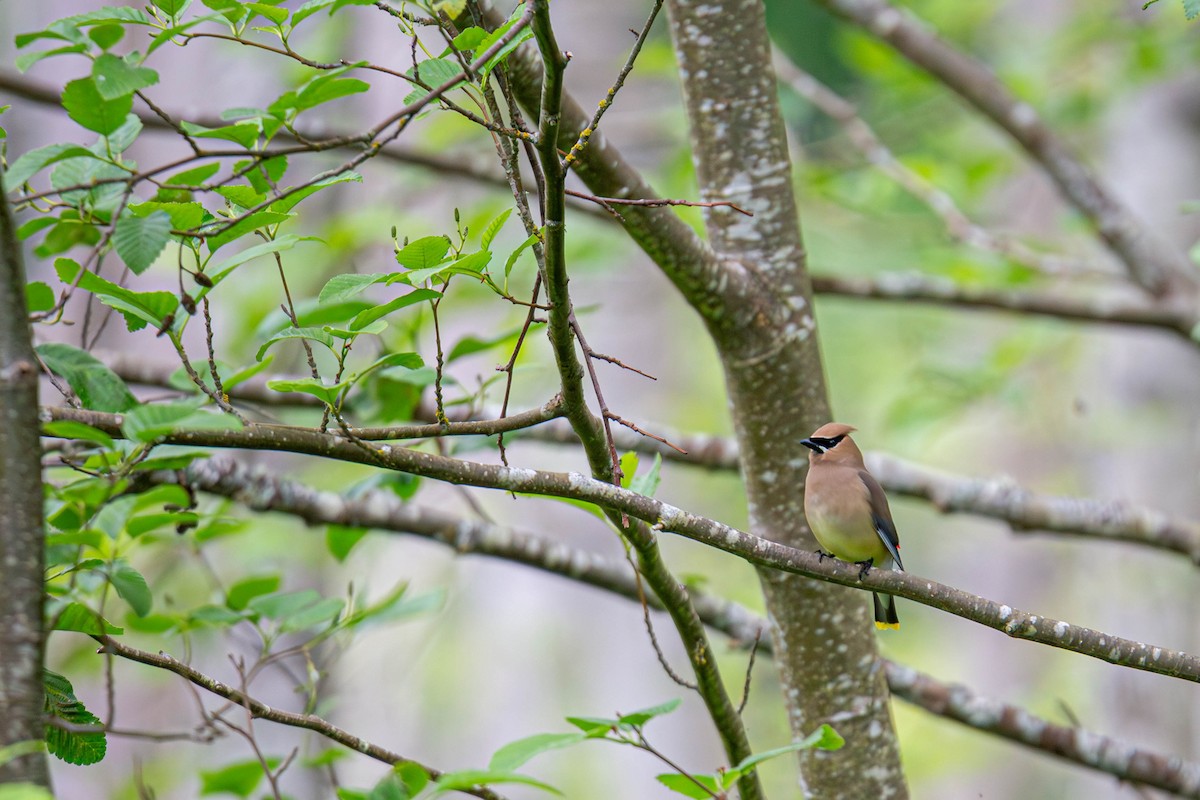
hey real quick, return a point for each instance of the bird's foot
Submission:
(822, 555)
(864, 567)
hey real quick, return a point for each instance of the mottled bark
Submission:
(22, 554)
(825, 642)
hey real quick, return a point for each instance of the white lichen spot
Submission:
(1156, 653)
(668, 514)
(1060, 629)
(885, 22)
(1023, 115)
(768, 477)
(1005, 612)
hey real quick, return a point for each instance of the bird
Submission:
(848, 510)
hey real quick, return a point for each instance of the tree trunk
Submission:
(22, 551)
(824, 637)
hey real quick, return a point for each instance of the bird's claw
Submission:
(822, 555)
(864, 567)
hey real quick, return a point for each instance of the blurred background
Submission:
(493, 651)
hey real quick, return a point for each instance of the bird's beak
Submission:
(811, 445)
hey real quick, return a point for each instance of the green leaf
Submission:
(495, 36)
(493, 228)
(77, 617)
(451, 8)
(243, 196)
(38, 297)
(593, 727)
(107, 15)
(325, 88)
(433, 73)
(533, 238)
(98, 387)
(25, 61)
(426, 252)
(472, 264)
(183, 216)
(340, 540)
(172, 7)
(152, 421)
(276, 15)
(279, 244)
(646, 714)
(467, 41)
(35, 161)
(365, 318)
(1191, 8)
(313, 386)
(72, 746)
(119, 140)
(138, 308)
(115, 77)
(470, 778)
(140, 240)
(647, 483)
(469, 345)
(687, 787)
(84, 104)
(312, 334)
(823, 738)
(239, 779)
(22, 791)
(286, 204)
(295, 611)
(243, 133)
(514, 754)
(195, 176)
(105, 36)
(245, 590)
(131, 586)
(69, 429)
(343, 287)
(405, 360)
(259, 219)
(33, 226)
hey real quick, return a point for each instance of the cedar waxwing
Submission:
(848, 511)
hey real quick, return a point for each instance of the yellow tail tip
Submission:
(887, 626)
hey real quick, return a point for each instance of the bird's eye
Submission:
(835, 441)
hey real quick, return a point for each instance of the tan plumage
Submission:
(848, 511)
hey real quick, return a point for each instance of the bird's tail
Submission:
(885, 612)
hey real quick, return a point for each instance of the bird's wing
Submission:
(881, 516)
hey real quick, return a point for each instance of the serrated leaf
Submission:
(469, 778)
(647, 714)
(84, 104)
(259, 219)
(131, 587)
(183, 216)
(29, 164)
(77, 617)
(426, 252)
(342, 287)
(119, 140)
(498, 57)
(195, 176)
(514, 754)
(171, 7)
(105, 36)
(151, 421)
(312, 334)
(493, 228)
(686, 785)
(138, 308)
(115, 77)
(365, 318)
(98, 387)
(433, 73)
(140, 240)
(243, 133)
(1191, 8)
(472, 264)
(272, 13)
(289, 202)
(72, 746)
(317, 93)
(26, 60)
(312, 386)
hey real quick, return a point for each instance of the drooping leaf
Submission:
(72, 746)
(115, 77)
(88, 107)
(98, 387)
(140, 240)
(312, 334)
(38, 297)
(29, 164)
(468, 779)
(138, 308)
(77, 617)
(493, 228)
(312, 386)
(514, 754)
(243, 133)
(131, 586)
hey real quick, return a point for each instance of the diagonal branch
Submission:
(260, 710)
(665, 517)
(262, 491)
(1156, 265)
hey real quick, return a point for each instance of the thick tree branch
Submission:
(262, 491)
(761, 552)
(1159, 267)
(260, 710)
(22, 550)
